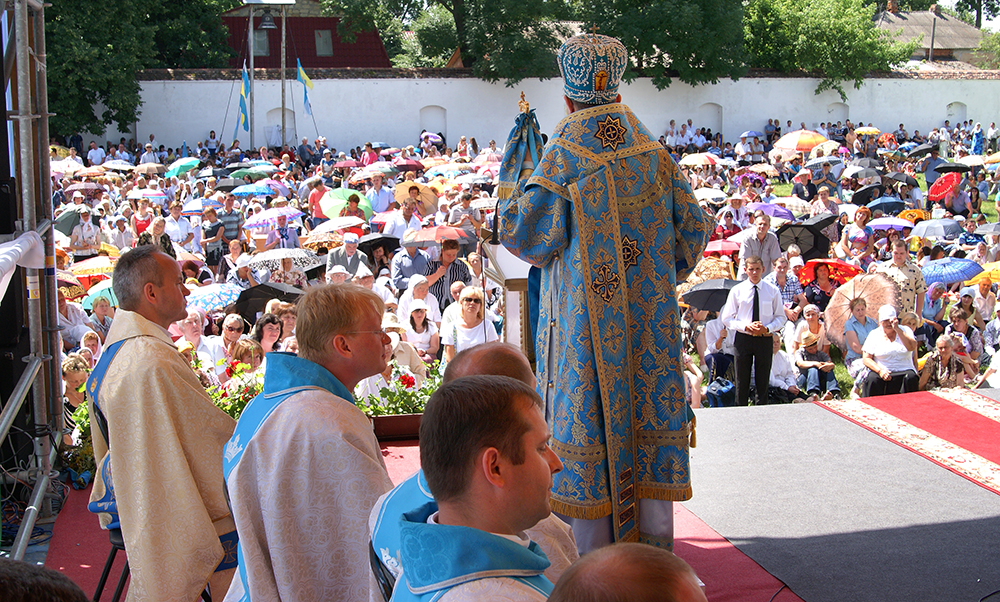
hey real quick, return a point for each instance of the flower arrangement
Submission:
(243, 385)
(80, 457)
(402, 396)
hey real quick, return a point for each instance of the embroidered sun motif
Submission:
(605, 283)
(610, 132)
(630, 252)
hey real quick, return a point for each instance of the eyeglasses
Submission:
(233, 329)
(381, 332)
(472, 300)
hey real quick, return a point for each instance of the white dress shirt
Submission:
(738, 312)
(712, 330)
(783, 374)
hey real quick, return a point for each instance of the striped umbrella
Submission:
(950, 270)
(800, 141)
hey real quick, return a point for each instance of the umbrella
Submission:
(921, 150)
(942, 186)
(914, 215)
(771, 210)
(70, 285)
(69, 218)
(886, 139)
(197, 206)
(323, 240)
(817, 163)
(902, 177)
(65, 166)
(407, 164)
(522, 153)
(264, 167)
(952, 168)
(808, 238)
(865, 193)
(433, 234)
(867, 131)
(949, 270)
(890, 223)
(827, 148)
(383, 167)
(368, 243)
(146, 193)
(269, 217)
(937, 228)
(349, 164)
(252, 300)
(429, 162)
(994, 158)
(380, 145)
(699, 159)
(118, 165)
(427, 201)
(182, 165)
(484, 203)
(473, 178)
(100, 264)
(709, 194)
(150, 169)
(85, 187)
(866, 162)
(101, 289)
(212, 297)
(849, 208)
(991, 228)
(256, 189)
(276, 186)
(385, 152)
(840, 271)
(764, 168)
(724, 247)
(338, 223)
(228, 184)
(253, 174)
(799, 140)
(487, 157)
(385, 216)
(990, 270)
(876, 289)
(887, 205)
(751, 134)
(794, 204)
(856, 171)
(450, 169)
(271, 260)
(240, 165)
(61, 151)
(336, 199)
(973, 160)
(432, 138)
(710, 295)
(212, 172)
(93, 171)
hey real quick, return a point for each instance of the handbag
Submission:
(721, 393)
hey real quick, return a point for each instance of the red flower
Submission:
(407, 380)
(231, 368)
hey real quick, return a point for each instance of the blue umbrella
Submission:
(751, 134)
(890, 223)
(772, 210)
(214, 296)
(950, 269)
(101, 289)
(253, 190)
(888, 205)
(196, 206)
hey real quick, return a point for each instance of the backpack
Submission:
(721, 393)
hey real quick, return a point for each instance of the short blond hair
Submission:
(474, 291)
(329, 310)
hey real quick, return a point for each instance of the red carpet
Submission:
(957, 429)
(79, 547)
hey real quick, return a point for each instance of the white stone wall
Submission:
(350, 112)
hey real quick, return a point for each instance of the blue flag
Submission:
(244, 117)
(306, 86)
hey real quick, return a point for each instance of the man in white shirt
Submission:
(754, 311)
(764, 244)
(210, 351)
(178, 228)
(118, 233)
(380, 198)
(743, 151)
(404, 221)
(149, 156)
(96, 154)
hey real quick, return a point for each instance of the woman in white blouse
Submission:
(888, 353)
(421, 332)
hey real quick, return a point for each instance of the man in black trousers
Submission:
(754, 311)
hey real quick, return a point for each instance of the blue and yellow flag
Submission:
(307, 85)
(244, 116)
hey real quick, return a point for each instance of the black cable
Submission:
(783, 586)
(989, 595)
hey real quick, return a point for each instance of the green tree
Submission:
(697, 41)
(982, 9)
(988, 52)
(193, 37)
(835, 40)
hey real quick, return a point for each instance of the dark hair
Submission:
(449, 244)
(464, 417)
(133, 272)
(25, 582)
(959, 314)
(258, 328)
(190, 265)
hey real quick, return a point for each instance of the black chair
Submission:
(117, 543)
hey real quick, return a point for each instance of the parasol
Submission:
(772, 210)
(724, 247)
(794, 204)
(407, 164)
(212, 297)
(827, 148)
(902, 177)
(972, 160)
(433, 234)
(849, 208)
(369, 242)
(990, 270)
(276, 186)
(994, 158)
(764, 168)
(323, 240)
(866, 162)
(695, 159)
(937, 228)
(856, 171)
(840, 271)
(523, 151)
(70, 218)
(950, 269)
(709, 194)
(876, 289)
(104, 289)
(70, 285)
(710, 295)
(810, 239)
(427, 201)
(800, 141)
(254, 299)
(867, 131)
(334, 200)
(887, 205)
(269, 217)
(349, 164)
(271, 260)
(338, 223)
(150, 169)
(890, 223)
(952, 168)
(228, 184)
(914, 215)
(101, 264)
(921, 150)
(991, 228)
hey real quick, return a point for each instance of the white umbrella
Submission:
(338, 223)
(709, 194)
(271, 260)
(269, 217)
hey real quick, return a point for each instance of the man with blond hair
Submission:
(303, 468)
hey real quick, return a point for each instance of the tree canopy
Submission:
(94, 54)
(834, 39)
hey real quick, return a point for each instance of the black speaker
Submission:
(17, 448)
(8, 205)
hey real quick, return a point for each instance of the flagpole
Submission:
(282, 77)
(250, 42)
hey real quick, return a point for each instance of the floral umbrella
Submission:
(323, 240)
(840, 271)
(271, 260)
(269, 217)
(214, 296)
(868, 131)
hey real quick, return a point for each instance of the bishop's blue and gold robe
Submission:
(612, 223)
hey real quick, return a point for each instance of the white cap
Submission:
(351, 238)
(418, 304)
(339, 269)
(886, 312)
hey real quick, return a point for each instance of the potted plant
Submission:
(397, 410)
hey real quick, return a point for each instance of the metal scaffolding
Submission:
(24, 68)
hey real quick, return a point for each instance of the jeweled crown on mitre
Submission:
(592, 65)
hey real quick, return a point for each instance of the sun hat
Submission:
(886, 312)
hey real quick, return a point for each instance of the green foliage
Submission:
(988, 52)
(402, 396)
(834, 39)
(242, 386)
(80, 457)
(435, 32)
(980, 9)
(697, 41)
(94, 53)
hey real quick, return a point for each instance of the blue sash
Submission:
(253, 417)
(107, 503)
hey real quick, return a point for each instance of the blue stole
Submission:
(281, 369)
(411, 493)
(107, 503)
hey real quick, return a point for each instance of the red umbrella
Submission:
(725, 247)
(943, 185)
(840, 271)
(407, 164)
(381, 218)
(348, 163)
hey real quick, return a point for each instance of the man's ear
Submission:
(490, 466)
(341, 345)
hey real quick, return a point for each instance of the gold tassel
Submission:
(693, 423)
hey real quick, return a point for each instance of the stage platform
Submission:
(839, 513)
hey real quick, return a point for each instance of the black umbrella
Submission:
(993, 228)
(921, 150)
(902, 177)
(821, 220)
(864, 194)
(368, 242)
(810, 239)
(69, 218)
(710, 295)
(253, 300)
(240, 165)
(947, 167)
(214, 172)
(866, 162)
(228, 184)
(887, 205)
